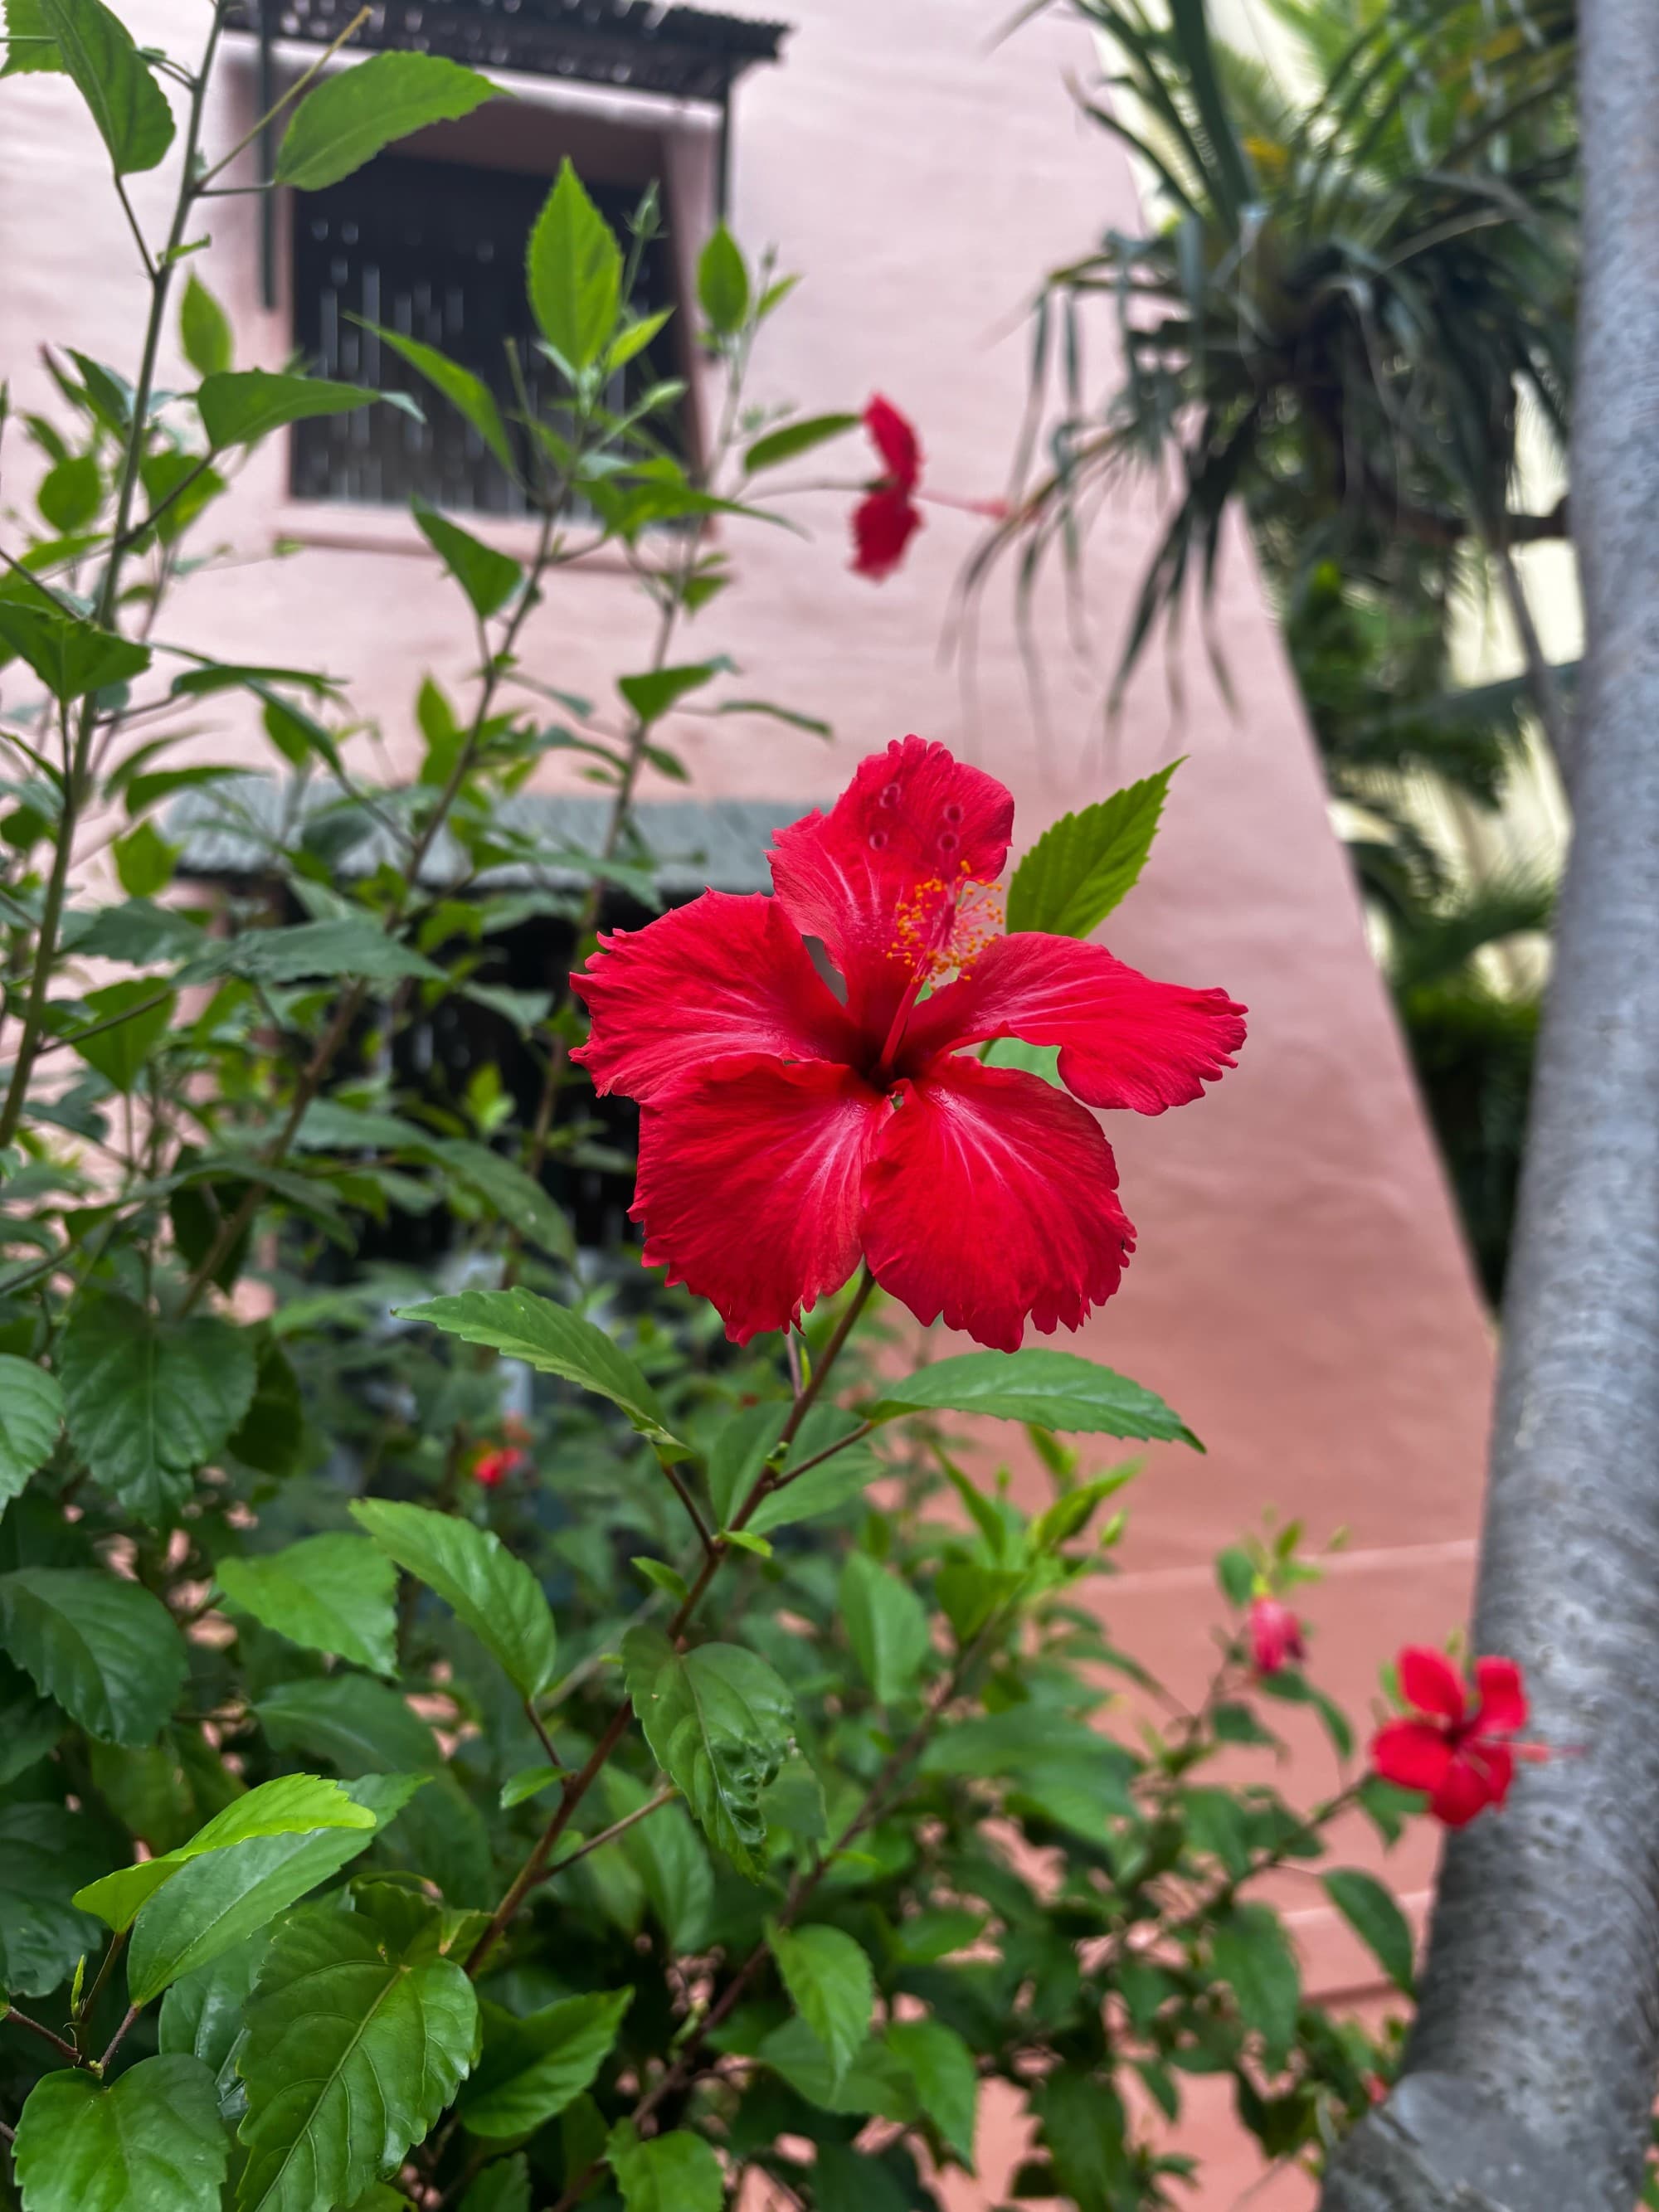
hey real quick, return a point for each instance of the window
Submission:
(435, 250)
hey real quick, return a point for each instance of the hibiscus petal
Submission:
(1125, 1040)
(911, 815)
(883, 523)
(749, 1186)
(1411, 1754)
(991, 1200)
(894, 437)
(1429, 1681)
(1470, 1784)
(721, 976)
(1503, 1708)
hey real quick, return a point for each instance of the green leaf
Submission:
(1051, 1389)
(722, 283)
(529, 1782)
(204, 330)
(201, 2014)
(873, 2083)
(521, 1326)
(150, 1400)
(354, 2049)
(488, 578)
(144, 863)
(467, 394)
(1235, 1574)
(717, 1720)
(72, 492)
(946, 2079)
(363, 1727)
(128, 106)
(217, 1902)
(31, 1414)
(886, 1624)
(1039, 1060)
(351, 116)
(329, 1593)
(120, 1047)
(71, 657)
(239, 406)
(271, 1434)
(675, 2173)
(574, 271)
(652, 694)
(1081, 867)
(30, 1727)
(151, 2138)
(830, 1985)
(671, 1860)
(292, 1804)
(532, 2067)
(1251, 1952)
(46, 1854)
(507, 1189)
(503, 2186)
(32, 45)
(106, 1650)
(788, 442)
(496, 1595)
(740, 1451)
(1376, 1919)
(351, 946)
(634, 338)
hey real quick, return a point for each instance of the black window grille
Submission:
(435, 250)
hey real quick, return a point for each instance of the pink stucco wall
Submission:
(1300, 1293)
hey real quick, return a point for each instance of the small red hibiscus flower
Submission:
(786, 1133)
(1453, 1745)
(888, 516)
(1275, 1636)
(496, 1462)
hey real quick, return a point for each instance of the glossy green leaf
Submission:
(503, 2186)
(1085, 863)
(521, 1326)
(875, 2083)
(46, 1854)
(30, 1726)
(1251, 1952)
(200, 2013)
(31, 1415)
(290, 1804)
(531, 2067)
(471, 1570)
(741, 1449)
(831, 1984)
(360, 1726)
(671, 1859)
(826, 1488)
(790, 439)
(467, 394)
(946, 2080)
(487, 578)
(574, 271)
(509, 1191)
(71, 657)
(1376, 1919)
(718, 1720)
(351, 946)
(722, 283)
(353, 2050)
(349, 117)
(129, 109)
(217, 1902)
(270, 1435)
(30, 45)
(674, 2173)
(1051, 1389)
(329, 1593)
(150, 1400)
(204, 330)
(886, 1624)
(150, 2138)
(239, 406)
(124, 1023)
(106, 1650)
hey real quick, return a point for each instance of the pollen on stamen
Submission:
(943, 926)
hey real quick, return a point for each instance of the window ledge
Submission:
(349, 526)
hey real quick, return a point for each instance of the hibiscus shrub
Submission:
(483, 1726)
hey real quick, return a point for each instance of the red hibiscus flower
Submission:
(786, 1131)
(888, 516)
(1275, 1636)
(1454, 1746)
(496, 1463)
